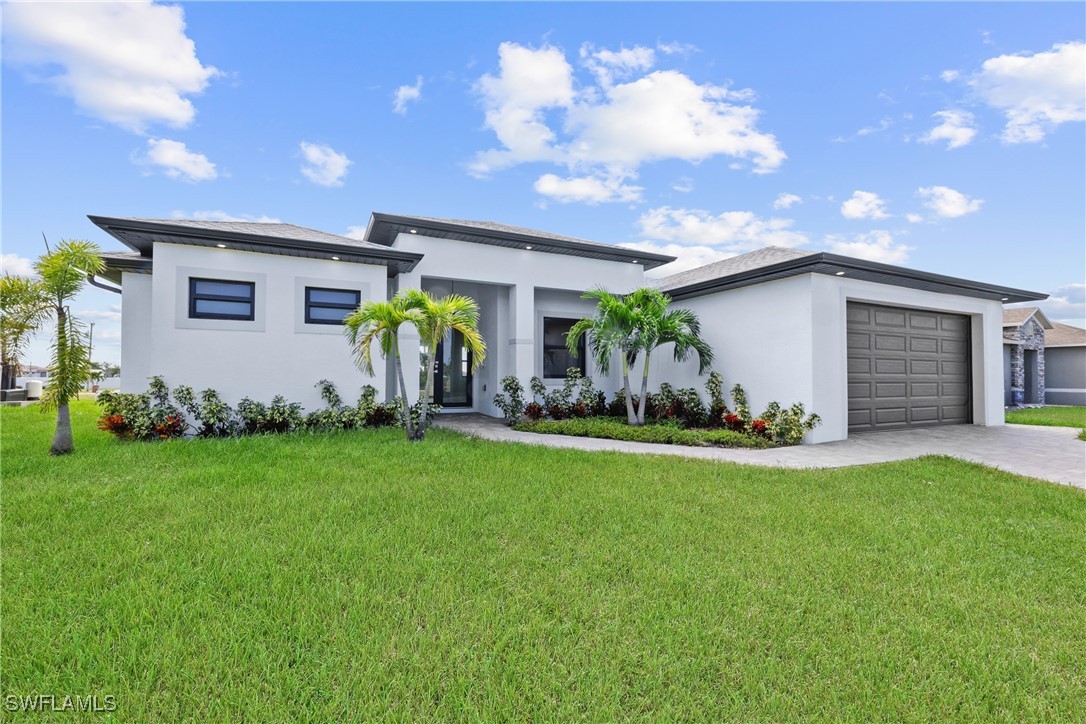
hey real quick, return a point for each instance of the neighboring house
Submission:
(1024, 356)
(1065, 365)
(253, 309)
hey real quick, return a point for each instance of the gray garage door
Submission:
(906, 368)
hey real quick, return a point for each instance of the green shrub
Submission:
(511, 400)
(669, 434)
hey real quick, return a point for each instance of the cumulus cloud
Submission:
(950, 75)
(684, 50)
(323, 165)
(687, 257)
(730, 231)
(1067, 304)
(864, 205)
(406, 94)
(607, 129)
(787, 201)
(948, 203)
(17, 266)
(175, 160)
(587, 189)
(100, 315)
(127, 63)
(1036, 92)
(914, 218)
(956, 127)
(876, 245)
(683, 185)
(218, 215)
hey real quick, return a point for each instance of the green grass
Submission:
(356, 576)
(609, 428)
(1051, 416)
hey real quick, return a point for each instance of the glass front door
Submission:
(452, 372)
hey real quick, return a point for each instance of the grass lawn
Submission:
(1054, 416)
(356, 576)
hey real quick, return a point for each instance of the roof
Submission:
(1018, 316)
(1064, 335)
(385, 228)
(719, 269)
(772, 263)
(140, 234)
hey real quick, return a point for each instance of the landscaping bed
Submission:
(611, 428)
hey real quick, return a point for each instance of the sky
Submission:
(944, 137)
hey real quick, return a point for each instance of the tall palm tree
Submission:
(611, 329)
(381, 321)
(63, 272)
(24, 308)
(635, 323)
(659, 325)
(436, 319)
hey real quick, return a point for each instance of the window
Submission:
(221, 299)
(556, 357)
(329, 306)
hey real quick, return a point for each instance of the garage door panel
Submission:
(906, 368)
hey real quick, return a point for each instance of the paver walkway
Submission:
(1047, 453)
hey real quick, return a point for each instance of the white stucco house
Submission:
(254, 309)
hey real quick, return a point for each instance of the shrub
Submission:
(742, 409)
(511, 400)
(534, 411)
(788, 426)
(670, 434)
(146, 416)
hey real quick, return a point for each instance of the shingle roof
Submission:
(500, 228)
(1064, 335)
(735, 265)
(1017, 316)
(274, 230)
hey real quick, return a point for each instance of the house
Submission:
(1065, 365)
(253, 309)
(1024, 356)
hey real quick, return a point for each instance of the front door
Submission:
(452, 372)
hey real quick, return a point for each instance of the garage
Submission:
(907, 368)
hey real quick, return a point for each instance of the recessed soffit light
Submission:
(413, 231)
(840, 274)
(335, 258)
(221, 246)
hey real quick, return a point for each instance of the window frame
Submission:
(308, 304)
(582, 348)
(194, 297)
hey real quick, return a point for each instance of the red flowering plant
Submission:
(533, 411)
(760, 427)
(734, 422)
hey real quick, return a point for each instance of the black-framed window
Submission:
(556, 356)
(329, 306)
(221, 299)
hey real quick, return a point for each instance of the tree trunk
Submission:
(631, 415)
(62, 439)
(424, 401)
(8, 381)
(403, 391)
(644, 402)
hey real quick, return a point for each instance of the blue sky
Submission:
(944, 137)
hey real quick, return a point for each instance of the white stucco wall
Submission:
(276, 353)
(136, 340)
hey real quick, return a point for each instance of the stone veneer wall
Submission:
(1030, 335)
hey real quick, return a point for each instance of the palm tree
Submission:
(63, 272)
(436, 319)
(634, 323)
(658, 325)
(381, 321)
(24, 308)
(611, 329)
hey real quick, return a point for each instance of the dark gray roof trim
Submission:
(830, 264)
(282, 239)
(384, 228)
(118, 262)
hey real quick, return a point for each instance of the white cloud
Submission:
(588, 189)
(864, 205)
(16, 265)
(949, 76)
(956, 128)
(730, 231)
(177, 161)
(687, 257)
(1035, 92)
(608, 129)
(100, 315)
(914, 218)
(1066, 304)
(223, 216)
(128, 63)
(683, 185)
(323, 165)
(406, 94)
(948, 203)
(684, 50)
(787, 201)
(876, 245)
(356, 232)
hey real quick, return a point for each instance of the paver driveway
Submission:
(1047, 453)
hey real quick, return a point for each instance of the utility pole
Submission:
(90, 357)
